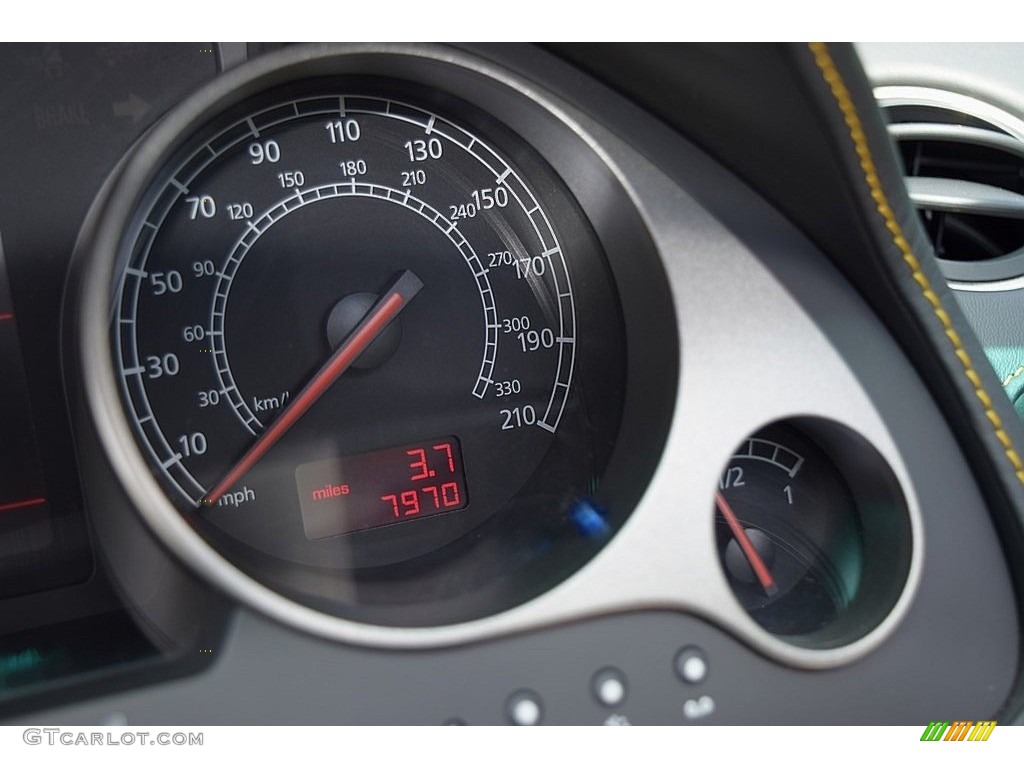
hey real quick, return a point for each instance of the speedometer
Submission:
(371, 347)
(256, 262)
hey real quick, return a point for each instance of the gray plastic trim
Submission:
(231, 55)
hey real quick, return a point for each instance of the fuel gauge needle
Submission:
(749, 551)
(387, 308)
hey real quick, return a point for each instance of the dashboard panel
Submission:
(447, 384)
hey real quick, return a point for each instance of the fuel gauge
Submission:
(809, 530)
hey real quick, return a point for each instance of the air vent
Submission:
(964, 161)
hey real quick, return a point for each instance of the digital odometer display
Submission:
(381, 487)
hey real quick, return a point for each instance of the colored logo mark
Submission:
(960, 730)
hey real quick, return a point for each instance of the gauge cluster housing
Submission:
(733, 321)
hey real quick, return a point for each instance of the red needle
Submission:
(22, 504)
(383, 312)
(760, 569)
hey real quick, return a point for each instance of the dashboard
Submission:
(476, 384)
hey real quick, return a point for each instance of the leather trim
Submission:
(825, 63)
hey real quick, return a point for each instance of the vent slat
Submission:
(960, 196)
(960, 134)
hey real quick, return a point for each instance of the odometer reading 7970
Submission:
(381, 487)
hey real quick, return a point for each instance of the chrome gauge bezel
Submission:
(863, 518)
(664, 556)
(445, 85)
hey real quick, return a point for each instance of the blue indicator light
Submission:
(589, 519)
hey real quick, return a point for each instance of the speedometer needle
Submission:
(756, 562)
(376, 320)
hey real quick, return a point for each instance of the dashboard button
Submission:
(524, 708)
(691, 665)
(609, 686)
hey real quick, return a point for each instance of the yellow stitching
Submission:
(845, 102)
(1017, 372)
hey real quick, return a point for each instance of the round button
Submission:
(609, 686)
(691, 665)
(523, 708)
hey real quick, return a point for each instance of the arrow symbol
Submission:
(132, 107)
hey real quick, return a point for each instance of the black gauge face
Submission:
(795, 557)
(813, 553)
(354, 326)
